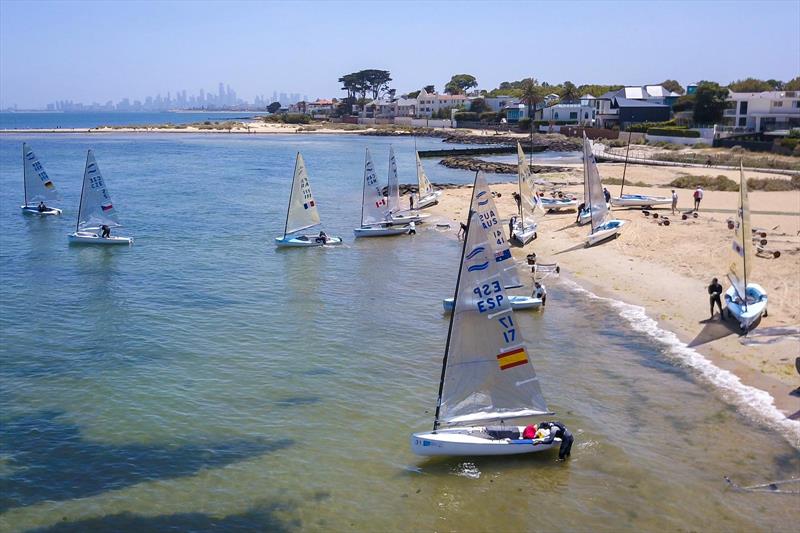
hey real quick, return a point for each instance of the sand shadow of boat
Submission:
(713, 329)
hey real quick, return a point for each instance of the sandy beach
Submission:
(666, 269)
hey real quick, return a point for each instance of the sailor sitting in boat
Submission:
(539, 292)
(322, 237)
(557, 429)
(42, 208)
(105, 231)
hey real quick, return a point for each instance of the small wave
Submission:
(469, 470)
(755, 403)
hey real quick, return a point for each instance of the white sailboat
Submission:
(524, 229)
(302, 213)
(486, 372)
(374, 208)
(585, 213)
(746, 302)
(483, 204)
(39, 188)
(602, 227)
(396, 214)
(95, 210)
(644, 201)
(426, 195)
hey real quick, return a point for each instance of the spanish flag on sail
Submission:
(513, 358)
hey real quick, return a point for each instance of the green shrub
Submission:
(466, 116)
(794, 133)
(789, 142)
(489, 116)
(674, 132)
(295, 118)
(701, 145)
(711, 183)
(644, 126)
(774, 184)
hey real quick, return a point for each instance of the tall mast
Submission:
(419, 186)
(364, 186)
(455, 308)
(83, 186)
(744, 237)
(24, 175)
(589, 185)
(291, 193)
(625, 167)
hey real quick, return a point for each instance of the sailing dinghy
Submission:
(602, 227)
(486, 373)
(558, 204)
(746, 302)
(483, 204)
(95, 210)
(426, 194)
(396, 215)
(302, 213)
(525, 226)
(644, 201)
(38, 187)
(374, 208)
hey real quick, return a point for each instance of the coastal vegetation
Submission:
(724, 183)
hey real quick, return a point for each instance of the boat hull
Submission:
(34, 210)
(518, 303)
(429, 200)
(584, 217)
(640, 200)
(305, 241)
(524, 235)
(609, 230)
(384, 230)
(473, 442)
(398, 219)
(82, 237)
(747, 315)
(555, 204)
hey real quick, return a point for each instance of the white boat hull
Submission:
(584, 217)
(305, 241)
(607, 231)
(85, 237)
(397, 219)
(473, 442)
(517, 303)
(524, 235)
(640, 200)
(34, 210)
(556, 204)
(428, 200)
(384, 230)
(756, 306)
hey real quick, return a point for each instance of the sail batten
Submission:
(302, 213)
(38, 185)
(96, 208)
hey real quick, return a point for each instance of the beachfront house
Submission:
(765, 111)
(321, 107)
(579, 112)
(631, 105)
(429, 104)
(498, 103)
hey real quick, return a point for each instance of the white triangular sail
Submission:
(38, 185)
(393, 190)
(302, 213)
(96, 208)
(487, 372)
(585, 176)
(742, 254)
(483, 204)
(596, 200)
(527, 188)
(373, 203)
(425, 186)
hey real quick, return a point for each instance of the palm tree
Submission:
(531, 96)
(569, 93)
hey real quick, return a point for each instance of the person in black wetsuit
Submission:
(557, 429)
(714, 292)
(580, 208)
(606, 195)
(41, 207)
(105, 231)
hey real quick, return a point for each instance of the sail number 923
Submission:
(490, 296)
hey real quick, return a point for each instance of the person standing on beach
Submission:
(606, 195)
(698, 195)
(411, 201)
(714, 292)
(674, 201)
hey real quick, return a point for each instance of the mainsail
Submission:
(596, 200)
(373, 203)
(486, 372)
(526, 189)
(742, 249)
(483, 204)
(96, 208)
(38, 186)
(425, 186)
(302, 213)
(393, 191)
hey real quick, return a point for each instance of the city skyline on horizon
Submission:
(254, 46)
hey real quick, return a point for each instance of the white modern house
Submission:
(765, 111)
(429, 104)
(580, 112)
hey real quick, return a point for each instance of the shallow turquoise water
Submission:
(202, 378)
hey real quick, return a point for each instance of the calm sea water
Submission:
(19, 121)
(202, 379)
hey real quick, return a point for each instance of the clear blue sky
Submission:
(99, 51)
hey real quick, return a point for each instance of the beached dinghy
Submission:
(302, 213)
(486, 374)
(524, 228)
(374, 210)
(396, 215)
(426, 194)
(640, 200)
(559, 204)
(745, 302)
(602, 227)
(95, 210)
(38, 187)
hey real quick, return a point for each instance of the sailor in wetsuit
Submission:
(105, 231)
(42, 208)
(557, 429)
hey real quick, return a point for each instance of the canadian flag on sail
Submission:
(380, 202)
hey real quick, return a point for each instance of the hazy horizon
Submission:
(100, 51)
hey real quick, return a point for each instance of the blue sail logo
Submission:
(475, 252)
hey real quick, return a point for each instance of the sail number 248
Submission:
(490, 296)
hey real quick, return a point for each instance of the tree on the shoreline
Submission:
(273, 107)
(673, 85)
(363, 82)
(569, 92)
(750, 85)
(430, 89)
(460, 83)
(792, 85)
(709, 102)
